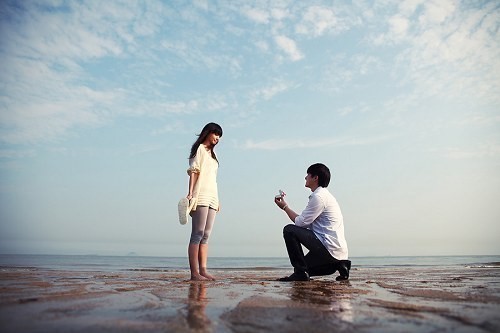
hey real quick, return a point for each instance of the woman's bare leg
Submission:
(203, 250)
(193, 254)
(202, 260)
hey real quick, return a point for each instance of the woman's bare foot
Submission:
(205, 274)
(198, 277)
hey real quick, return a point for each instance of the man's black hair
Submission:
(322, 172)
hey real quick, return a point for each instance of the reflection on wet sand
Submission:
(197, 302)
(319, 306)
(326, 295)
(395, 299)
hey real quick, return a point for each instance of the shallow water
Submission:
(420, 298)
(167, 264)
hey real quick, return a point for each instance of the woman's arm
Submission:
(193, 178)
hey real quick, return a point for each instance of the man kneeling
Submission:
(319, 228)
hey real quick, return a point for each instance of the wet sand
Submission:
(402, 299)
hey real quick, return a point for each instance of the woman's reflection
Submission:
(197, 301)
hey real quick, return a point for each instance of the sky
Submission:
(100, 103)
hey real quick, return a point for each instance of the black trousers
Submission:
(318, 260)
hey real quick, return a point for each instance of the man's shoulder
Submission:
(321, 194)
(322, 191)
(325, 195)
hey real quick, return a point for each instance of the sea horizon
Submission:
(165, 263)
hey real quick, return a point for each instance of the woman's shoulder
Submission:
(200, 151)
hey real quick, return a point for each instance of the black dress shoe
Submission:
(296, 277)
(343, 267)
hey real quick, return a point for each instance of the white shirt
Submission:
(205, 190)
(322, 215)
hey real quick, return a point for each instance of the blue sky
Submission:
(101, 101)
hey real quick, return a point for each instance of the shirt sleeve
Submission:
(195, 163)
(314, 208)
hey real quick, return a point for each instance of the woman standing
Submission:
(203, 165)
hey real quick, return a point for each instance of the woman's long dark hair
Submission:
(205, 132)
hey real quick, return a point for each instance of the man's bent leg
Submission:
(320, 262)
(295, 237)
(294, 248)
(317, 267)
(314, 268)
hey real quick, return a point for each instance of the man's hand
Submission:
(280, 202)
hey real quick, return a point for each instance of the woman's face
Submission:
(212, 140)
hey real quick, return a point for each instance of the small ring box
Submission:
(281, 195)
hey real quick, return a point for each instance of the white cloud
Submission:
(143, 149)
(316, 21)
(279, 13)
(47, 90)
(436, 12)
(54, 77)
(432, 15)
(11, 153)
(289, 46)
(364, 63)
(408, 7)
(482, 151)
(40, 103)
(446, 51)
(262, 45)
(480, 120)
(42, 120)
(158, 109)
(256, 15)
(203, 4)
(342, 72)
(270, 91)
(54, 63)
(284, 144)
(171, 127)
(398, 27)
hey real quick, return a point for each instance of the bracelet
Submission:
(284, 207)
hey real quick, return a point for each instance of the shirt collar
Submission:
(316, 190)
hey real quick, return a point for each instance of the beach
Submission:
(459, 298)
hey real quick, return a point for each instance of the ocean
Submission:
(139, 263)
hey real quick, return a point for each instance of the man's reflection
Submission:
(197, 301)
(327, 295)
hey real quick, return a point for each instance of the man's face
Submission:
(310, 180)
